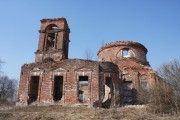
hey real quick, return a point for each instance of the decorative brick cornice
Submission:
(54, 19)
(122, 43)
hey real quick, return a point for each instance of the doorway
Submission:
(58, 88)
(34, 86)
(83, 89)
(108, 92)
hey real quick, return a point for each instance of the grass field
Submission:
(79, 113)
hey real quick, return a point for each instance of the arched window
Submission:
(131, 53)
(51, 27)
(123, 53)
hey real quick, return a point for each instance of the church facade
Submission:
(54, 79)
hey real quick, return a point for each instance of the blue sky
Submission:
(154, 23)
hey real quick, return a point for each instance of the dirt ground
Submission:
(79, 113)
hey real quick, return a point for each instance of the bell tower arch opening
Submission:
(53, 40)
(51, 36)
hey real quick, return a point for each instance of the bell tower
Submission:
(53, 40)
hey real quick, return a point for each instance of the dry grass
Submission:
(79, 113)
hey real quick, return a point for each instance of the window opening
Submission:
(125, 53)
(51, 36)
(83, 89)
(58, 88)
(34, 86)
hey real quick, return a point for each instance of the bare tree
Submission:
(164, 97)
(8, 88)
(88, 54)
(161, 98)
(170, 72)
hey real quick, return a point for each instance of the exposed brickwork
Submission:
(111, 51)
(55, 79)
(56, 33)
(134, 70)
(70, 69)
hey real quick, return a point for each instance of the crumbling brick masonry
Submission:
(54, 79)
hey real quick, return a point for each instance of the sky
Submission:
(153, 23)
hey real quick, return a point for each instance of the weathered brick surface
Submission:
(133, 68)
(70, 69)
(60, 30)
(111, 51)
(122, 75)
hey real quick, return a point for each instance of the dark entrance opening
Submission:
(83, 89)
(58, 88)
(110, 85)
(127, 85)
(128, 92)
(108, 93)
(34, 86)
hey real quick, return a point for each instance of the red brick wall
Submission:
(61, 50)
(131, 68)
(70, 70)
(110, 52)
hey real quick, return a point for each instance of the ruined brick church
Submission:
(54, 79)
